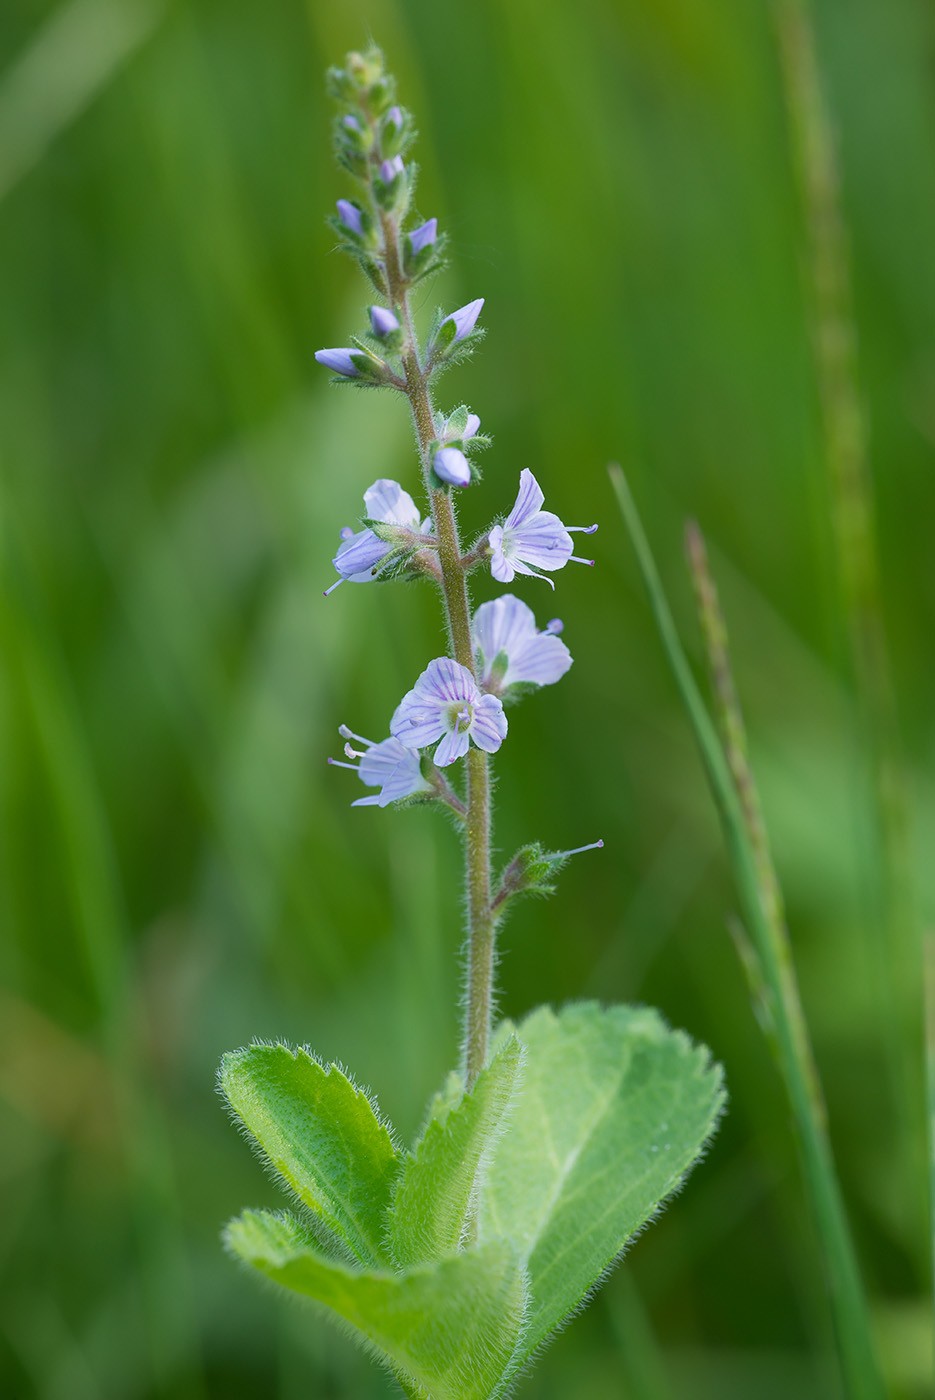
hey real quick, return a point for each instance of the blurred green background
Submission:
(181, 872)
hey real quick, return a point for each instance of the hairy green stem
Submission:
(859, 1364)
(482, 918)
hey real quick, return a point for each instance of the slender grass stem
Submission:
(734, 738)
(482, 918)
(893, 926)
(848, 1305)
(929, 947)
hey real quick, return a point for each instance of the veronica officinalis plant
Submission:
(556, 1139)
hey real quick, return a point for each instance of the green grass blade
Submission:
(849, 1309)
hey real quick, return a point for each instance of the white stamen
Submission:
(336, 763)
(346, 733)
(583, 529)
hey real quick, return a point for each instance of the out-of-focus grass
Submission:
(180, 871)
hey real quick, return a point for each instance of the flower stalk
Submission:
(457, 703)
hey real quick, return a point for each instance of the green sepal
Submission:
(394, 198)
(351, 142)
(615, 1110)
(350, 242)
(394, 140)
(322, 1136)
(421, 265)
(374, 273)
(433, 1193)
(531, 870)
(448, 1328)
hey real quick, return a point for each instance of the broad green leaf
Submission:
(449, 1327)
(434, 1189)
(615, 1109)
(322, 1135)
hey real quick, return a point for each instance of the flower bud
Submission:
(463, 320)
(389, 169)
(423, 237)
(341, 361)
(384, 322)
(451, 465)
(470, 427)
(350, 217)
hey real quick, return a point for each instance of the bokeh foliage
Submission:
(180, 871)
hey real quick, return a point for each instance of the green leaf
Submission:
(614, 1111)
(449, 1327)
(435, 1188)
(321, 1134)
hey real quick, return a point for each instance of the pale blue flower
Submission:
(361, 553)
(423, 236)
(464, 319)
(394, 117)
(511, 650)
(445, 704)
(383, 322)
(530, 538)
(340, 361)
(389, 765)
(451, 465)
(470, 427)
(350, 217)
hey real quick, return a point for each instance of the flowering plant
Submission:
(557, 1139)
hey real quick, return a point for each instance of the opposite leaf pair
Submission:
(455, 1262)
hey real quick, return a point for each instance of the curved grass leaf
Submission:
(434, 1190)
(614, 1111)
(449, 1327)
(321, 1134)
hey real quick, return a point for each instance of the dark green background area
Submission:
(179, 870)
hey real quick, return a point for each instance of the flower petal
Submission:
(387, 501)
(445, 680)
(453, 745)
(541, 541)
(490, 724)
(528, 500)
(358, 556)
(500, 566)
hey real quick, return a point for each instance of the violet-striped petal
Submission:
(490, 724)
(358, 556)
(388, 502)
